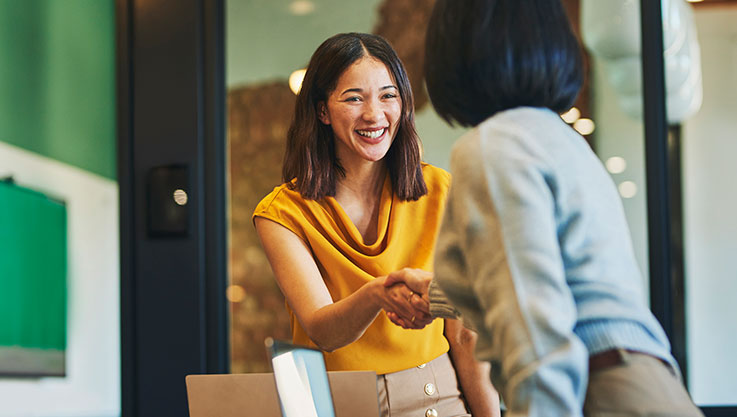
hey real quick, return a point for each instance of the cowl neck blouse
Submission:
(406, 237)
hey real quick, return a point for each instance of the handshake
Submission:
(407, 301)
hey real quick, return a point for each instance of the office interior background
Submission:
(97, 95)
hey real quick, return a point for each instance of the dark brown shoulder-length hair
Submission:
(310, 164)
(486, 56)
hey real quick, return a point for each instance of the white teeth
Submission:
(371, 134)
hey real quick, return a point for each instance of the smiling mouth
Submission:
(372, 134)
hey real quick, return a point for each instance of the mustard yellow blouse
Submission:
(406, 238)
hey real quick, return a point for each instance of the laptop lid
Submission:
(254, 394)
(301, 380)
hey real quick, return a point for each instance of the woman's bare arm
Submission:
(330, 325)
(473, 376)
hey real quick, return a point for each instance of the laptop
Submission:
(352, 393)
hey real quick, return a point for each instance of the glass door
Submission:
(269, 43)
(699, 59)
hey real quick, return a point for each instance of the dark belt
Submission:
(614, 357)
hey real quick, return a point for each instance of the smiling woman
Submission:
(356, 204)
(260, 109)
(340, 67)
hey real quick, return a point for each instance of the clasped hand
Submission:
(408, 290)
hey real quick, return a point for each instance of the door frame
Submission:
(171, 111)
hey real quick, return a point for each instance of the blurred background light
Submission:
(301, 7)
(627, 189)
(584, 126)
(235, 293)
(571, 115)
(295, 80)
(616, 165)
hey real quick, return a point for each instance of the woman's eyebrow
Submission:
(352, 90)
(359, 90)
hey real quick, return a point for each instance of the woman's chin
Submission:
(375, 155)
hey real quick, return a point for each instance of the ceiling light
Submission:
(301, 7)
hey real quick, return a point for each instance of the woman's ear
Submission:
(322, 111)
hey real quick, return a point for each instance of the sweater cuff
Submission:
(439, 305)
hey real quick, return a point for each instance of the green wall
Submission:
(57, 80)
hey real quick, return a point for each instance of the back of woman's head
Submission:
(485, 56)
(310, 158)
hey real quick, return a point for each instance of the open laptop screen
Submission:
(301, 380)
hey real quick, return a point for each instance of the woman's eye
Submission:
(353, 99)
(389, 95)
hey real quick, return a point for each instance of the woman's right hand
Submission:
(408, 307)
(398, 301)
(417, 324)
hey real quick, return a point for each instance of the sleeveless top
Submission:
(407, 232)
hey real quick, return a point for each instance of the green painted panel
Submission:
(33, 269)
(57, 80)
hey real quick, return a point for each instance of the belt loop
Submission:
(624, 356)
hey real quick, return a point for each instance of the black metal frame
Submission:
(656, 156)
(171, 110)
(215, 182)
(678, 273)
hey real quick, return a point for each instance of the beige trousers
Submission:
(641, 386)
(428, 390)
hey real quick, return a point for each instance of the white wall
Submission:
(92, 385)
(265, 41)
(710, 211)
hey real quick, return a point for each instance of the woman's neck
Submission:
(359, 194)
(362, 179)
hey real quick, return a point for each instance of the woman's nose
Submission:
(373, 111)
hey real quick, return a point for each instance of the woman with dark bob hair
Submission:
(534, 251)
(356, 204)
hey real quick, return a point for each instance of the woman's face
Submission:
(364, 111)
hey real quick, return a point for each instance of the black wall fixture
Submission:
(171, 123)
